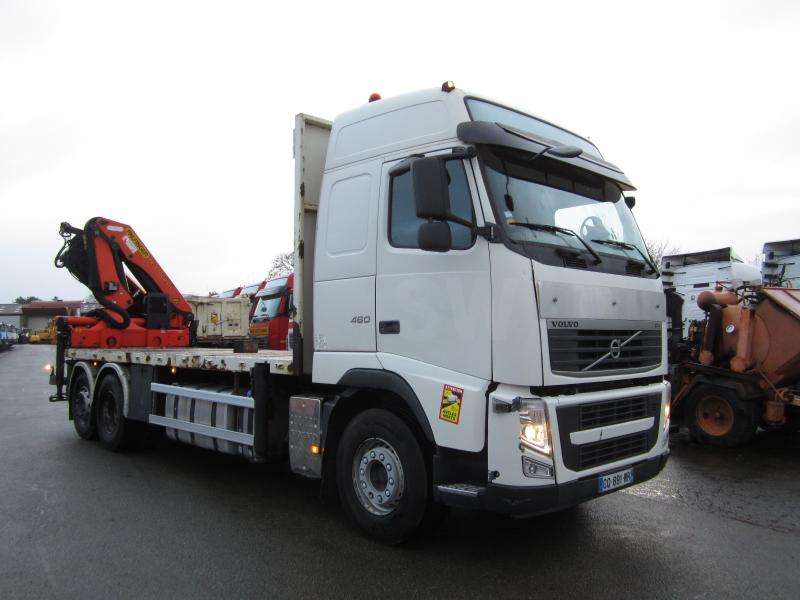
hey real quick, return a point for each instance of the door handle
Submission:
(389, 326)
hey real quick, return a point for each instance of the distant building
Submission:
(11, 314)
(38, 314)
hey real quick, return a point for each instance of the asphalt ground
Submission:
(173, 521)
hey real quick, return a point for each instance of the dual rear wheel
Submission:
(102, 418)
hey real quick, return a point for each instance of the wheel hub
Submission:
(715, 416)
(110, 415)
(83, 406)
(378, 476)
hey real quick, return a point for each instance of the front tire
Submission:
(382, 477)
(719, 417)
(81, 407)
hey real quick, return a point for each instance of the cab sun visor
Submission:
(495, 134)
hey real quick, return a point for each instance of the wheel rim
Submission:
(82, 408)
(378, 477)
(715, 416)
(110, 415)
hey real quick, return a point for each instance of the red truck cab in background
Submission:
(270, 320)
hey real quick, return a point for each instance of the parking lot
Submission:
(176, 521)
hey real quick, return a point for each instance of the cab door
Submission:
(433, 307)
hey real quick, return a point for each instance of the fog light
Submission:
(532, 468)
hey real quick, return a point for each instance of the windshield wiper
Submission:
(628, 246)
(555, 229)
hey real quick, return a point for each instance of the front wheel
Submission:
(381, 476)
(719, 417)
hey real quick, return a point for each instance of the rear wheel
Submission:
(719, 417)
(382, 477)
(111, 422)
(81, 405)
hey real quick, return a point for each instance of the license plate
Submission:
(615, 480)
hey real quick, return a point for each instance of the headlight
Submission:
(667, 410)
(534, 432)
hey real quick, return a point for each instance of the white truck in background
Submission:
(781, 265)
(690, 274)
(477, 323)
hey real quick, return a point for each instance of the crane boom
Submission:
(141, 307)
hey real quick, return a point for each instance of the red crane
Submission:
(141, 307)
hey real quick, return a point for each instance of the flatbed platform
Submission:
(211, 359)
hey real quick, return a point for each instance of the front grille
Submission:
(580, 417)
(590, 351)
(611, 412)
(607, 451)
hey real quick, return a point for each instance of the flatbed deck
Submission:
(211, 359)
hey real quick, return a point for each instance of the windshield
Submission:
(250, 289)
(269, 299)
(538, 204)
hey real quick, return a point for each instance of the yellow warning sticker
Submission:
(450, 410)
(134, 243)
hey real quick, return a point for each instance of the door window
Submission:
(404, 222)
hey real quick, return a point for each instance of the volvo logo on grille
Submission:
(614, 350)
(565, 324)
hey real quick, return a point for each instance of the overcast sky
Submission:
(177, 117)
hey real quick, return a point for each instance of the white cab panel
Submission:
(516, 347)
(428, 383)
(348, 213)
(329, 367)
(395, 124)
(344, 315)
(442, 300)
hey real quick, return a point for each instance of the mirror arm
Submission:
(488, 231)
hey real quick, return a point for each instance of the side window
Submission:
(403, 221)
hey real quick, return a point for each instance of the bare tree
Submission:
(756, 260)
(283, 264)
(659, 249)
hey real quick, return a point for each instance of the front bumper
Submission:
(531, 501)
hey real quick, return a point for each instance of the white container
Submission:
(690, 274)
(220, 319)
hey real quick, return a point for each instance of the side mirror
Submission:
(435, 236)
(630, 201)
(429, 180)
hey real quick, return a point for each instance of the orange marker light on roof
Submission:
(448, 86)
(374, 96)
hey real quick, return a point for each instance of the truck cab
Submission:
(483, 268)
(271, 316)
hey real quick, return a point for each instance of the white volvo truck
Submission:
(477, 323)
